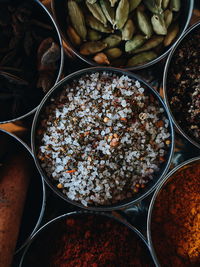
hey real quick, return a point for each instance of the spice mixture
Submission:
(183, 85)
(103, 138)
(176, 219)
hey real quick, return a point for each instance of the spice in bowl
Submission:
(175, 223)
(102, 138)
(87, 240)
(183, 85)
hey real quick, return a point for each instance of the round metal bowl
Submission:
(34, 206)
(150, 186)
(42, 13)
(161, 187)
(165, 85)
(59, 9)
(37, 248)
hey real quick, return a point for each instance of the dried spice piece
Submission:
(176, 220)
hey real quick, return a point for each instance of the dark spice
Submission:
(183, 85)
(176, 219)
(29, 57)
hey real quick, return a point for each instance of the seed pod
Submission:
(168, 17)
(133, 4)
(128, 30)
(153, 6)
(122, 14)
(93, 35)
(90, 48)
(150, 44)
(101, 58)
(96, 11)
(77, 19)
(171, 35)
(175, 5)
(113, 53)
(113, 2)
(141, 58)
(91, 1)
(136, 42)
(144, 24)
(96, 25)
(73, 36)
(158, 23)
(165, 4)
(108, 11)
(112, 40)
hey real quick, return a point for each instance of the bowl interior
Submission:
(55, 91)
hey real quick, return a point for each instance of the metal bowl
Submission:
(34, 206)
(36, 248)
(165, 85)
(161, 187)
(59, 9)
(150, 186)
(42, 13)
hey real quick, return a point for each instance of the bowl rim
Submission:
(167, 178)
(165, 76)
(37, 2)
(43, 189)
(120, 220)
(36, 119)
(139, 67)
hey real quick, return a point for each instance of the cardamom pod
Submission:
(101, 58)
(77, 18)
(122, 12)
(165, 4)
(91, 1)
(113, 53)
(141, 58)
(158, 23)
(168, 17)
(175, 5)
(144, 23)
(153, 6)
(73, 36)
(133, 4)
(128, 30)
(90, 48)
(113, 2)
(96, 25)
(112, 40)
(94, 35)
(108, 11)
(134, 43)
(96, 11)
(171, 35)
(150, 44)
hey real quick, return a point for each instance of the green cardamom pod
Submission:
(77, 19)
(158, 23)
(152, 5)
(112, 40)
(113, 53)
(97, 25)
(150, 44)
(168, 17)
(113, 2)
(96, 11)
(73, 36)
(133, 4)
(171, 35)
(128, 30)
(141, 58)
(90, 48)
(165, 4)
(101, 58)
(134, 43)
(108, 11)
(144, 23)
(94, 35)
(122, 12)
(175, 5)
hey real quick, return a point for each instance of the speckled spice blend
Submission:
(102, 138)
(176, 220)
(183, 85)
